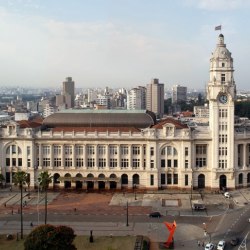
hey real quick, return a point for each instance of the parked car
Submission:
(227, 194)
(221, 245)
(198, 207)
(209, 246)
(234, 241)
(155, 214)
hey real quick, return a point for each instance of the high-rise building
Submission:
(136, 98)
(67, 98)
(155, 97)
(69, 92)
(179, 94)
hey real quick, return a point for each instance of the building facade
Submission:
(118, 149)
(155, 97)
(136, 98)
(179, 94)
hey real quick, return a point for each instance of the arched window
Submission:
(124, 178)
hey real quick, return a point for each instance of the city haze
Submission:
(119, 43)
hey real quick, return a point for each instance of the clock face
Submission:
(223, 98)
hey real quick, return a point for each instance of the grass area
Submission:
(81, 243)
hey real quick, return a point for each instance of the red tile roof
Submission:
(28, 124)
(176, 123)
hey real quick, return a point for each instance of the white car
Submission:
(209, 246)
(227, 194)
(221, 245)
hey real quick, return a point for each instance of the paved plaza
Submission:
(169, 203)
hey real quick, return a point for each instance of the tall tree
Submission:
(44, 180)
(20, 178)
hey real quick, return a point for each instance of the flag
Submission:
(218, 27)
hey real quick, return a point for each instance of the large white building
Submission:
(136, 98)
(112, 149)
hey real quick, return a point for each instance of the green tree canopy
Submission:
(51, 238)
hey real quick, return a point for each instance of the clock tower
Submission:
(221, 92)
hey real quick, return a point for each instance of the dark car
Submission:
(155, 214)
(234, 241)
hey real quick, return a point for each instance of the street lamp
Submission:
(191, 189)
(127, 215)
(135, 191)
(38, 200)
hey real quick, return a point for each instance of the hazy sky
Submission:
(119, 43)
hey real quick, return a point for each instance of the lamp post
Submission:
(127, 215)
(38, 200)
(191, 189)
(135, 191)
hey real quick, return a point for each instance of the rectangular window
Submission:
(175, 179)
(28, 150)
(46, 162)
(124, 150)
(79, 150)
(201, 162)
(57, 162)
(113, 150)
(124, 163)
(112, 163)
(186, 151)
(14, 162)
(68, 162)
(163, 162)
(169, 163)
(169, 178)
(79, 162)
(101, 150)
(45, 150)
(28, 163)
(223, 78)
(222, 138)
(222, 151)
(7, 162)
(186, 180)
(163, 179)
(144, 150)
(222, 164)
(186, 163)
(152, 180)
(151, 151)
(223, 113)
(135, 150)
(152, 164)
(201, 149)
(20, 162)
(90, 150)
(68, 150)
(102, 163)
(90, 162)
(57, 150)
(136, 163)
(13, 149)
(175, 163)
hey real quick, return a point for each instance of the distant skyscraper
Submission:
(155, 97)
(179, 94)
(67, 97)
(69, 92)
(136, 98)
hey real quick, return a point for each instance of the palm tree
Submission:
(20, 178)
(44, 180)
